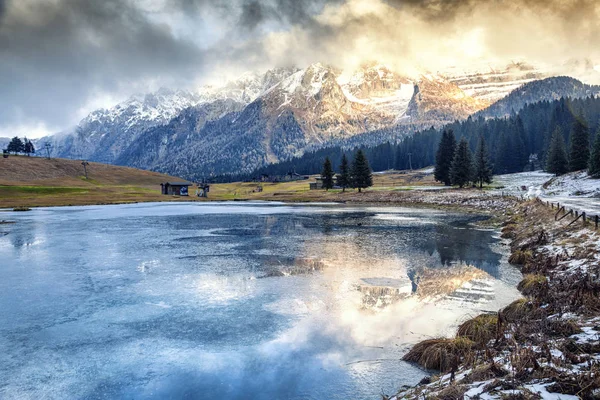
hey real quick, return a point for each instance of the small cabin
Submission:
(317, 184)
(203, 189)
(175, 188)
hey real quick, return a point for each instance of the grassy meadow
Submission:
(37, 181)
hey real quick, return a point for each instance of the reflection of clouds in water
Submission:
(185, 317)
(219, 289)
(147, 266)
(403, 218)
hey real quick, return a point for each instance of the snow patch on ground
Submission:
(574, 184)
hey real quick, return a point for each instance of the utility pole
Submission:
(85, 164)
(47, 146)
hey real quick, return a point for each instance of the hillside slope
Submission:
(548, 89)
(37, 181)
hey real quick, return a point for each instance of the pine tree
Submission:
(327, 174)
(343, 179)
(444, 157)
(594, 164)
(461, 171)
(579, 150)
(483, 170)
(28, 148)
(16, 145)
(556, 160)
(361, 172)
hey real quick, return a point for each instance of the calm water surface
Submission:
(236, 301)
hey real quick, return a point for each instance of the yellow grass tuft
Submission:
(517, 310)
(441, 354)
(533, 285)
(520, 257)
(480, 329)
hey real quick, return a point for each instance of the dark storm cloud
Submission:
(54, 54)
(57, 56)
(450, 9)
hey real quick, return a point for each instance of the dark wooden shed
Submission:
(175, 188)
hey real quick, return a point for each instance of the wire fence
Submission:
(563, 212)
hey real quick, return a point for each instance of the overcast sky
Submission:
(61, 59)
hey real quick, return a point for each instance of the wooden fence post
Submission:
(596, 221)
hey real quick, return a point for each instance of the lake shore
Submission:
(540, 346)
(465, 200)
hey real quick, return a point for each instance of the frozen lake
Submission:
(234, 300)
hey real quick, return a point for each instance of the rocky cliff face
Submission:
(269, 117)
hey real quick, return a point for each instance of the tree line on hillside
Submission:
(519, 142)
(455, 165)
(579, 155)
(357, 176)
(20, 146)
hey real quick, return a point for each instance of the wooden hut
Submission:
(175, 188)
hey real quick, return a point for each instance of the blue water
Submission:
(229, 300)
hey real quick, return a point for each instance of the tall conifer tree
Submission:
(327, 174)
(444, 157)
(594, 164)
(461, 171)
(483, 169)
(16, 145)
(556, 160)
(579, 150)
(361, 172)
(343, 178)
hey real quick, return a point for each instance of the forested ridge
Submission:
(511, 140)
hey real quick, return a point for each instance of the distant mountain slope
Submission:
(511, 141)
(491, 82)
(265, 118)
(103, 134)
(310, 108)
(546, 89)
(39, 171)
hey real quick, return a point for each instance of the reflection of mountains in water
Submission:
(382, 292)
(465, 245)
(461, 283)
(275, 266)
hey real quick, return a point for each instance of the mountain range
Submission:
(265, 118)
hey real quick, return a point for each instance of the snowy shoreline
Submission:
(543, 346)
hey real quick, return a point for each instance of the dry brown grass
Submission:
(486, 372)
(563, 328)
(518, 310)
(480, 329)
(35, 181)
(508, 232)
(520, 257)
(442, 354)
(535, 285)
(452, 392)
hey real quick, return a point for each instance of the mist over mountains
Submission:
(259, 119)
